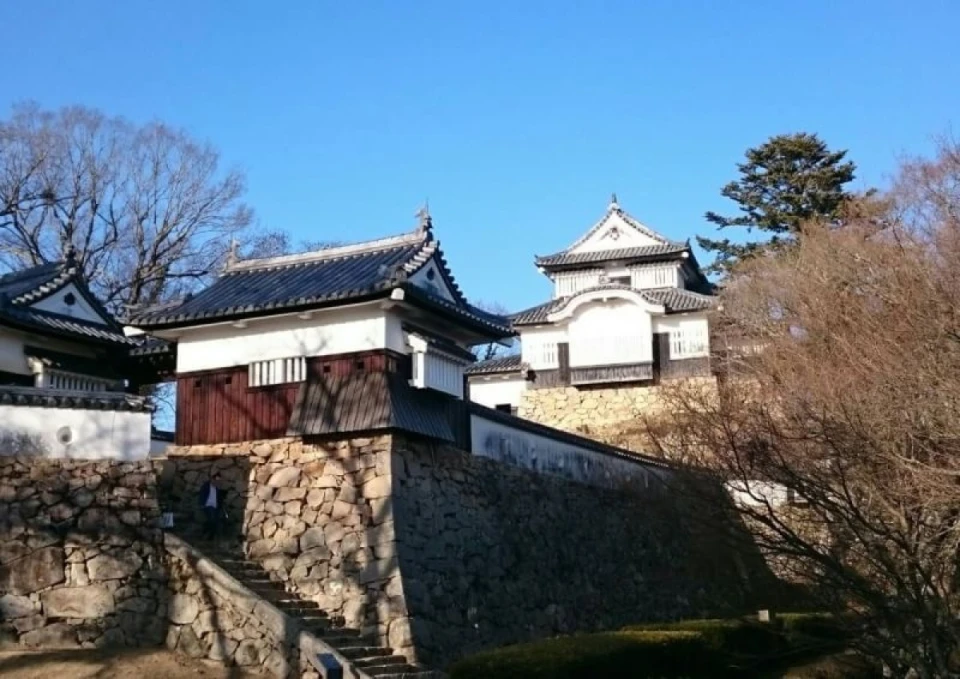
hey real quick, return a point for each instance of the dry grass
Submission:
(110, 664)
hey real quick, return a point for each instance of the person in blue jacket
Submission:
(211, 500)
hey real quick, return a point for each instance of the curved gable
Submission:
(570, 305)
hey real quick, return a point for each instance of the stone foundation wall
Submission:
(612, 415)
(492, 554)
(213, 616)
(317, 516)
(80, 553)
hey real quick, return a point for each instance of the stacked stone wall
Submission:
(80, 553)
(612, 415)
(213, 616)
(492, 554)
(316, 515)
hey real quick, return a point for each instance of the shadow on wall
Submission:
(81, 556)
(315, 514)
(493, 555)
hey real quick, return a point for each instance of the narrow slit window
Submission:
(277, 371)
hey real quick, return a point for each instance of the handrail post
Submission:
(330, 667)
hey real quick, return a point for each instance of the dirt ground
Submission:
(146, 663)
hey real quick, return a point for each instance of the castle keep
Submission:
(630, 309)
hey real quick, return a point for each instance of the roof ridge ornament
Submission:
(233, 254)
(424, 220)
(614, 203)
(70, 256)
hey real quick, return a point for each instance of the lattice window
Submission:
(689, 343)
(65, 381)
(277, 371)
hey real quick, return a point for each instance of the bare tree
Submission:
(148, 210)
(840, 437)
(485, 352)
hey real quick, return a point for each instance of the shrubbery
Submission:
(688, 649)
(612, 655)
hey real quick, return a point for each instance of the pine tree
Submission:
(784, 183)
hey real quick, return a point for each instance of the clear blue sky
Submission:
(516, 119)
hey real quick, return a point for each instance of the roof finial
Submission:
(423, 215)
(70, 256)
(614, 205)
(233, 254)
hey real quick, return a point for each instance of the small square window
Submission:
(197, 383)
(326, 368)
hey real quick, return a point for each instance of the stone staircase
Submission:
(363, 651)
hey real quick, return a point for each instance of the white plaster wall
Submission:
(647, 277)
(497, 390)
(323, 334)
(568, 283)
(436, 284)
(540, 453)
(615, 331)
(695, 324)
(758, 493)
(628, 237)
(95, 434)
(396, 338)
(79, 309)
(158, 447)
(11, 354)
(538, 345)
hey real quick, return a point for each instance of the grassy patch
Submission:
(687, 649)
(613, 655)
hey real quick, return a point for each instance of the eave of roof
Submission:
(50, 398)
(46, 322)
(674, 300)
(670, 251)
(325, 278)
(512, 364)
(487, 324)
(27, 287)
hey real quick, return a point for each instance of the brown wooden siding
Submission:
(218, 406)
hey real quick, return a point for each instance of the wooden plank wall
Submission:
(218, 406)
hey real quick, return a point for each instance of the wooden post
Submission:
(563, 358)
(661, 356)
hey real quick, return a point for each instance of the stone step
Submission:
(396, 672)
(364, 652)
(304, 605)
(298, 611)
(372, 662)
(346, 632)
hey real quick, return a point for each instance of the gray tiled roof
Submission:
(19, 289)
(325, 277)
(49, 398)
(150, 346)
(645, 252)
(28, 284)
(503, 364)
(674, 300)
(367, 402)
(48, 322)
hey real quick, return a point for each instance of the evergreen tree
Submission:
(784, 183)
